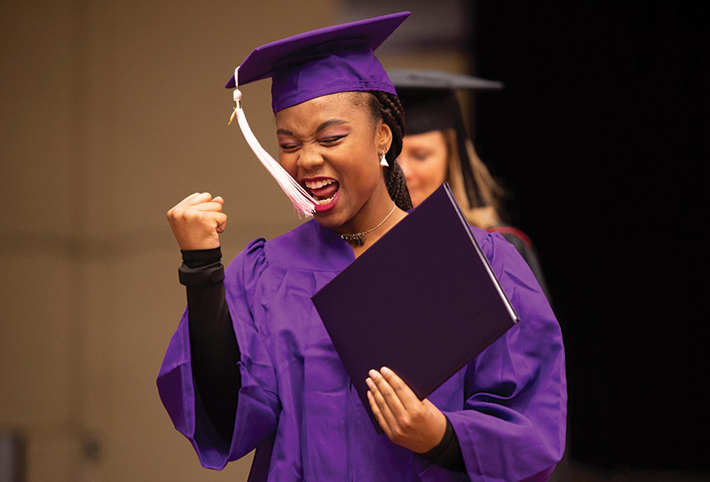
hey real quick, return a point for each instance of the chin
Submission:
(332, 219)
(334, 226)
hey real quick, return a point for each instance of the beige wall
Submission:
(111, 113)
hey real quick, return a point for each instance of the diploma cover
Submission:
(422, 301)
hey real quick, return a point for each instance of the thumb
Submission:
(220, 220)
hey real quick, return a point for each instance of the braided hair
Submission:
(388, 108)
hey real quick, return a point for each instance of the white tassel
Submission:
(302, 201)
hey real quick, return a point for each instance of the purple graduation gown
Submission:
(297, 406)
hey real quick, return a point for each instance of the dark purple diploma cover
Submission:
(422, 301)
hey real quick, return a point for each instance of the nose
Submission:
(309, 159)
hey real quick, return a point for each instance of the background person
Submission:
(437, 149)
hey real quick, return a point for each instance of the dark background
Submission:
(599, 137)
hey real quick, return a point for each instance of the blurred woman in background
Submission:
(437, 149)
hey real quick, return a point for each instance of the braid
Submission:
(397, 186)
(388, 108)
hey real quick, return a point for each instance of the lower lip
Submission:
(323, 208)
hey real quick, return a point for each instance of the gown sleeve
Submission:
(513, 423)
(258, 408)
(526, 249)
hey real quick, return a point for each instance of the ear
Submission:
(383, 136)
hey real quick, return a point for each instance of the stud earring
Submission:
(383, 161)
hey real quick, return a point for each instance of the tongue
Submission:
(326, 192)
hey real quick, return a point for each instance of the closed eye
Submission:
(289, 147)
(331, 140)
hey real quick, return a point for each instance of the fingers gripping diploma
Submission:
(197, 221)
(412, 423)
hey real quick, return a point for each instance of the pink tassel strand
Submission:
(303, 202)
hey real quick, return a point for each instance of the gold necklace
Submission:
(358, 239)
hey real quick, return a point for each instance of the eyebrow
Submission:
(323, 125)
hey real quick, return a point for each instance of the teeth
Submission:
(325, 201)
(318, 184)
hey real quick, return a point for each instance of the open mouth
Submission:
(323, 190)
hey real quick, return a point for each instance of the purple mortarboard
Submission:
(321, 62)
(325, 61)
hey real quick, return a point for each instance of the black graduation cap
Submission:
(430, 104)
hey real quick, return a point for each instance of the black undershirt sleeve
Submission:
(215, 352)
(213, 345)
(448, 452)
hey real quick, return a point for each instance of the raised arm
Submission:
(204, 372)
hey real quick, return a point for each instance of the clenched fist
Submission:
(197, 221)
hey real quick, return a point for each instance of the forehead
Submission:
(430, 139)
(350, 107)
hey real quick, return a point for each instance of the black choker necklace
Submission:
(358, 239)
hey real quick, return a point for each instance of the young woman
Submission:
(437, 150)
(251, 364)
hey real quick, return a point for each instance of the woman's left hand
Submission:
(412, 423)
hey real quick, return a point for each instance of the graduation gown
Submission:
(297, 407)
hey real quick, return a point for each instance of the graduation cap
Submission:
(430, 104)
(320, 62)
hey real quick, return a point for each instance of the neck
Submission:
(374, 210)
(377, 213)
(374, 236)
(360, 241)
